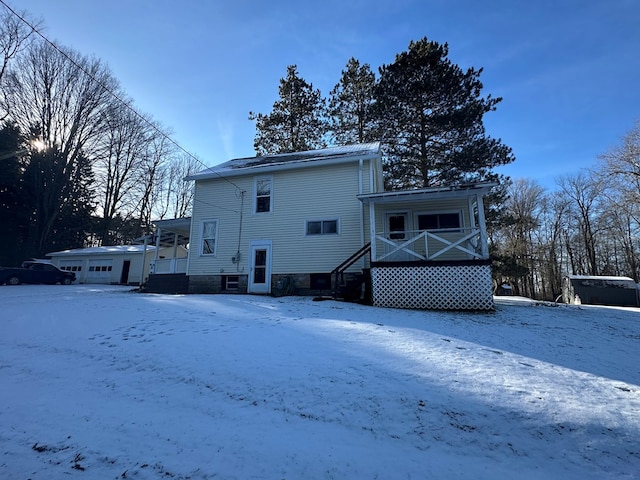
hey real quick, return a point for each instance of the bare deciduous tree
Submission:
(15, 35)
(119, 166)
(584, 191)
(179, 194)
(621, 167)
(60, 96)
(159, 152)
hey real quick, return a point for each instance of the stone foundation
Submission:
(282, 284)
(215, 284)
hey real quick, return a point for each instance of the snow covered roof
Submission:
(600, 277)
(266, 163)
(602, 281)
(108, 250)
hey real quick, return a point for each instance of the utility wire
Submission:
(115, 95)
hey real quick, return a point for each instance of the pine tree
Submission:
(350, 104)
(14, 203)
(61, 198)
(298, 119)
(431, 113)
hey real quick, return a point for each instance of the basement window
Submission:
(231, 282)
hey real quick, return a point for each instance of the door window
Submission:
(260, 266)
(397, 226)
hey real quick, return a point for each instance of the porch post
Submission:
(155, 258)
(175, 252)
(372, 230)
(144, 260)
(484, 242)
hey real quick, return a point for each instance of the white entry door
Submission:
(260, 266)
(397, 233)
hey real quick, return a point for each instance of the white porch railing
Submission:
(170, 265)
(459, 243)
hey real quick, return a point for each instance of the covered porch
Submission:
(429, 248)
(171, 239)
(173, 236)
(168, 267)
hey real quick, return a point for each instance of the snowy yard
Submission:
(102, 383)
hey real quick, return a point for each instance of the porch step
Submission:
(170, 283)
(351, 290)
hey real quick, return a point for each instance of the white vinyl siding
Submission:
(314, 193)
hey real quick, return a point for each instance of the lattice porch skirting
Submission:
(449, 287)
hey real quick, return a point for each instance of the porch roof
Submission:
(168, 230)
(423, 194)
(181, 226)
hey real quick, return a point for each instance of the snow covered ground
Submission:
(103, 383)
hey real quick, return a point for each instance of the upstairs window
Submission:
(322, 227)
(438, 221)
(209, 237)
(263, 189)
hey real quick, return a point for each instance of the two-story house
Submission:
(306, 222)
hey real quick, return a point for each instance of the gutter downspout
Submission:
(242, 192)
(360, 181)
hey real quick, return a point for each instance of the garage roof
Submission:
(108, 250)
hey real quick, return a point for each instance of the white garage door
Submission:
(99, 271)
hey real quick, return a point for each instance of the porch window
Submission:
(209, 237)
(437, 221)
(263, 189)
(322, 227)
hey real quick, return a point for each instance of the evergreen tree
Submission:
(431, 113)
(297, 121)
(61, 201)
(350, 104)
(14, 204)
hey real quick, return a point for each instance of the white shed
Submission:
(118, 264)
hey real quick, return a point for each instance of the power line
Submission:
(115, 95)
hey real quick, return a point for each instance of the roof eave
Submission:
(276, 167)
(427, 194)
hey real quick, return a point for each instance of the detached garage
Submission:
(120, 264)
(601, 290)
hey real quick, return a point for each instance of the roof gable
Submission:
(286, 161)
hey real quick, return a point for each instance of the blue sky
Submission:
(568, 70)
